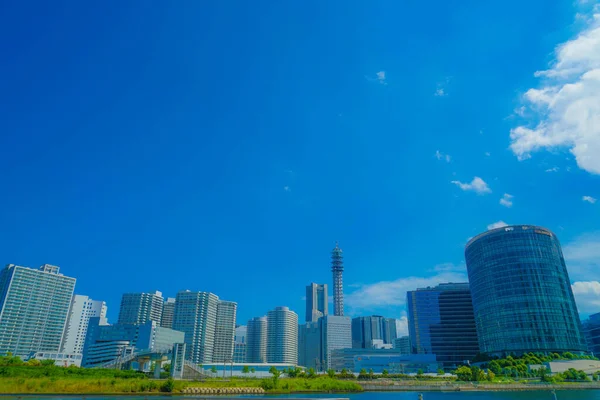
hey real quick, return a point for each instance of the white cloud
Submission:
(520, 111)
(567, 103)
(506, 200)
(589, 199)
(587, 296)
(553, 169)
(499, 224)
(582, 256)
(440, 92)
(450, 267)
(393, 293)
(441, 156)
(402, 326)
(477, 185)
(287, 189)
(381, 77)
(487, 153)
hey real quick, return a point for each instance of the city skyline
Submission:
(399, 129)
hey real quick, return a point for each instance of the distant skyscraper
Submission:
(591, 331)
(224, 332)
(366, 330)
(82, 309)
(282, 336)
(168, 312)
(139, 308)
(34, 306)
(402, 344)
(316, 302)
(310, 353)
(522, 294)
(337, 268)
(256, 339)
(337, 334)
(240, 344)
(196, 316)
(441, 322)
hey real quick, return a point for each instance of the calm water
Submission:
(560, 395)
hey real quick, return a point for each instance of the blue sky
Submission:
(225, 147)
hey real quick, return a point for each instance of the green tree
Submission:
(385, 372)
(245, 369)
(371, 373)
(252, 370)
(311, 373)
(331, 373)
(168, 386)
(420, 373)
(276, 374)
(495, 367)
(441, 372)
(477, 374)
(48, 363)
(166, 367)
(213, 370)
(33, 362)
(363, 374)
(464, 374)
(490, 375)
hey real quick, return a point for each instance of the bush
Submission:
(168, 386)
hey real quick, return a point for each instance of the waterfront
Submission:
(538, 395)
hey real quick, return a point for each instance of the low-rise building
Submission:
(353, 360)
(557, 367)
(60, 359)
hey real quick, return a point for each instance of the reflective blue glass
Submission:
(521, 292)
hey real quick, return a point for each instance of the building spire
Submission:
(337, 268)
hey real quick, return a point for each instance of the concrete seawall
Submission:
(223, 391)
(467, 387)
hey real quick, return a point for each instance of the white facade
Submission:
(224, 332)
(337, 334)
(81, 310)
(282, 336)
(139, 308)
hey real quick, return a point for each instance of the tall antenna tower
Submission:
(337, 267)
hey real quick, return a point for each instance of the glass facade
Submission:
(441, 322)
(591, 331)
(316, 302)
(522, 295)
(256, 339)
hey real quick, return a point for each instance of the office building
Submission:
(168, 312)
(139, 308)
(354, 360)
(240, 344)
(224, 332)
(441, 322)
(316, 302)
(402, 344)
(309, 346)
(337, 334)
(367, 330)
(34, 307)
(81, 310)
(591, 331)
(282, 336)
(196, 316)
(337, 269)
(106, 343)
(522, 294)
(256, 339)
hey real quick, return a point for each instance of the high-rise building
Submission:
(522, 294)
(34, 306)
(240, 344)
(196, 316)
(168, 312)
(591, 331)
(337, 334)
(337, 268)
(82, 309)
(282, 336)
(139, 308)
(441, 322)
(309, 346)
(316, 302)
(224, 332)
(402, 344)
(366, 331)
(256, 339)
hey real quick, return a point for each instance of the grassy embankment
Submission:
(49, 379)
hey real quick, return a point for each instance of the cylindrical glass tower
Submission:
(522, 295)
